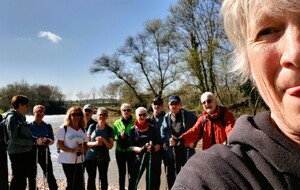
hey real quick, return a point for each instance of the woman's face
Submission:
(76, 116)
(102, 116)
(141, 117)
(126, 112)
(273, 49)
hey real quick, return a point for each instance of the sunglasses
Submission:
(142, 114)
(175, 103)
(207, 101)
(76, 114)
(102, 114)
(126, 110)
(88, 110)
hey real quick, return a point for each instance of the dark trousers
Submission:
(124, 158)
(23, 167)
(174, 166)
(152, 178)
(3, 168)
(74, 174)
(48, 171)
(91, 168)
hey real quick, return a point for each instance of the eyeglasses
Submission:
(175, 103)
(88, 110)
(157, 103)
(40, 113)
(126, 110)
(142, 114)
(76, 114)
(102, 114)
(207, 101)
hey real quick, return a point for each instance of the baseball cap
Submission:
(87, 107)
(157, 100)
(174, 98)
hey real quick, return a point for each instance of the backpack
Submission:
(4, 137)
(3, 133)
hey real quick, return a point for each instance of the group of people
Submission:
(260, 152)
(143, 142)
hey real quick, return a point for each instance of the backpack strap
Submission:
(202, 125)
(221, 116)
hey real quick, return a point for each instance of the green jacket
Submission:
(118, 128)
(20, 137)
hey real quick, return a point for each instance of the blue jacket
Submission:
(188, 121)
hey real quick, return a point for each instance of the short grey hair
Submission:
(125, 105)
(140, 110)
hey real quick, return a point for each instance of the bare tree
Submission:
(146, 63)
(204, 44)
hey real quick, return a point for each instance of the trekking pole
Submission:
(140, 170)
(82, 168)
(36, 164)
(149, 168)
(174, 155)
(166, 171)
(74, 176)
(46, 176)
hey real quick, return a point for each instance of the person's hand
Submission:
(149, 148)
(123, 135)
(192, 145)
(48, 141)
(40, 141)
(172, 141)
(141, 149)
(99, 141)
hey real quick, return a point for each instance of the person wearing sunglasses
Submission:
(175, 123)
(145, 143)
(88, 112)
(41, 129)
(124, 154)
(72, 142)
(213, 126)
(156, 120)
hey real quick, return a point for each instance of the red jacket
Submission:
(195, 133)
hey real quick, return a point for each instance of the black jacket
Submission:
(258, 157)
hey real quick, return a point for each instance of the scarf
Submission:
(126, 121)
(141, 126)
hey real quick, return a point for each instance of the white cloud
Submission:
(52, 37)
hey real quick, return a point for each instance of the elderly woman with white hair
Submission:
(263, 150)
(145, 143)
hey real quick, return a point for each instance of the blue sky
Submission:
(56, 41)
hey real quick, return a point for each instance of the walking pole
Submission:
(74, 176)
(46, 172)
(36, 164)
(82, 168)
(174, 154)
(140, 170)
(149, 169)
